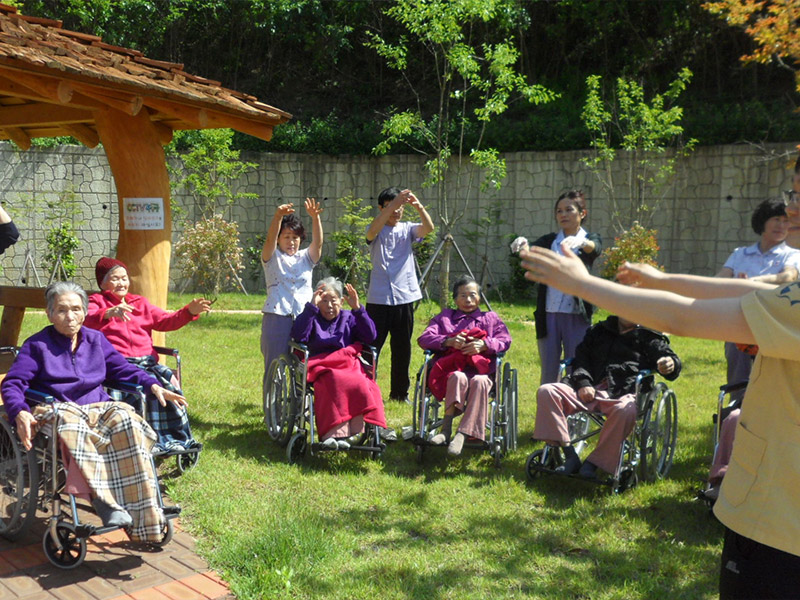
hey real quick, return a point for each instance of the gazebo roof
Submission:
(52, 80)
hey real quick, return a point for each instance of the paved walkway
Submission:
(114, 569)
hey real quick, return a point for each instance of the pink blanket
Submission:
(343, 390)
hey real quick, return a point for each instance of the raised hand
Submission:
(313, 208)
(564, 272)
(316, 298)
(638, 274)
(284, 209)
(120, 311)
(352, 296)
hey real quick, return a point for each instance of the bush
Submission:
(61, 243)
(637, 244)
(209, 254)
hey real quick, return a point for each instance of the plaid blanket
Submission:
(111, 445)
(170, 422)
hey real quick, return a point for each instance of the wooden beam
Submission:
(83, 133)
(130, 107)
(197, 117)
(53, 89)
(19, 137)
(41, 113)
(262, 131)
(32, 297)
(165, 132)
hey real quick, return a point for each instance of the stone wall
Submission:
(702, 218)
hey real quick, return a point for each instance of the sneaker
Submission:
(343, 444)
(712, 493)
(439, 439)
(329, 444)
(455, 447)
(388, 435)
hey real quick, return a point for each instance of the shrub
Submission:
(637, 244)
(61, 243)
(209, 254)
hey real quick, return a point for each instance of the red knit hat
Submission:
(104, 265)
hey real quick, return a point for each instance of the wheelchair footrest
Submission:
(170, 512)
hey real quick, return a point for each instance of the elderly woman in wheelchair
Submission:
(345, 396)
(603, 380)
(466, 342)
(105, 446)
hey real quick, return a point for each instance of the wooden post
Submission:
(137, 160)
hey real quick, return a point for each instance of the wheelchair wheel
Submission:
(186, 461)
(280, 403)
(659, 434)
(167, 532)
(296, 447)
(538, 463)
(73, 548)
(19, 483)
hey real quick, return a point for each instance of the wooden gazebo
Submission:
(56, 82)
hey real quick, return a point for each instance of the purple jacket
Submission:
(320, 336)
(450, 321)
(46, 364)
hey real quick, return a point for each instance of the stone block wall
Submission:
(704, 215)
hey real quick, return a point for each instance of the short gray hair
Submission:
(59, 288)
(332, 284)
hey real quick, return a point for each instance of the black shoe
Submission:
(588, 471)
(570, 467)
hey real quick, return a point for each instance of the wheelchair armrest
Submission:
(9, 350)
(38, 397)
(734, 387)
(166, 351)
(124, 386)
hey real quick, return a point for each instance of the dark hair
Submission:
(765, 211)
(576, 197)
(293, 224)
(388, 195)
(462, 281)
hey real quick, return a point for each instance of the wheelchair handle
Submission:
(733, 387)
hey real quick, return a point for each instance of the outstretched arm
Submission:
(314, 210)
(720, 318)
(692, 286)
(274, 231)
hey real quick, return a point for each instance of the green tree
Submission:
(650, 134)
(475, 80)
(351, 262)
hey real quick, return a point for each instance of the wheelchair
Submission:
(502, 414)
(289, 406)
(186, 457)
(32, 480)
(728, 400)
(647, 453)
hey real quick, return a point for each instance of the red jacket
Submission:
(134, 337)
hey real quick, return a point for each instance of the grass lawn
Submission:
(342, 526)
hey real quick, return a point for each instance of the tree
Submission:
(472, 83)
(209, 250)
(650, 133)
(773, 26)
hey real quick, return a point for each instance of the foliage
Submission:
(208, 253)
(475, 81)
(61, 244)
(773, 26)
(58, 217)
(351, 262)
(210, 169)
(252, 252)
(649, 132)
(637, 244)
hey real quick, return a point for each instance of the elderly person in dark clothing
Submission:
(603, 379)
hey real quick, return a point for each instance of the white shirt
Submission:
(752, 262)
(558, 302)
(288, 282)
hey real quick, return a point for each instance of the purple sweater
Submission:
(450, 321)
(46, 364)
(320, 336)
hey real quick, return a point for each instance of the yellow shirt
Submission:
(760, 495)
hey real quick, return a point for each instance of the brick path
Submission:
(114, 569)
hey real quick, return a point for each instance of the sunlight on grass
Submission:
(342, 526)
